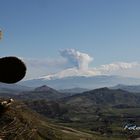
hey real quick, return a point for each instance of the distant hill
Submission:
(86, 102)
(52, 103)
(102, 111)
(130, 88)
(43, 92)
(103, 96)
(82, 81)
(45, 88)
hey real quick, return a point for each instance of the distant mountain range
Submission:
(102, 97)
(86, 102)
(91, 106)
(130, 88)
(13, 88)
(46, 92)
(82, 81)
(100, 111)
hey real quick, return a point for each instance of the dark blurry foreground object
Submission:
(12, 69)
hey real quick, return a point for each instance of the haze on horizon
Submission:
(74, 37)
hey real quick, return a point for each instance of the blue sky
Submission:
(107, 30)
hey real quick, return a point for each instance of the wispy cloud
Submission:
(117, 66)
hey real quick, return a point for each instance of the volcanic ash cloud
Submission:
(78, 59)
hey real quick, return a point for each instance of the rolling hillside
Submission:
(20, 123)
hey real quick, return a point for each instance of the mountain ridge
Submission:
(129, 88)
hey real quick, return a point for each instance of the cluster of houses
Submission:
(131, 127)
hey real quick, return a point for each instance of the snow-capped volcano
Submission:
(79, 74)
(82, 81)
(70, 73)
(80, 66)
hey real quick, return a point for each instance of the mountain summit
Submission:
(44, 88)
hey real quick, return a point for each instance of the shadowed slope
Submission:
(21, 123)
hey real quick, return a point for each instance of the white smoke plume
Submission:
(78, 59)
